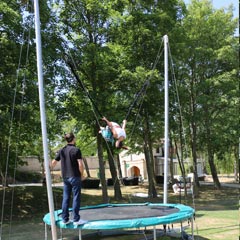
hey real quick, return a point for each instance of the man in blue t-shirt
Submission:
(72, 173)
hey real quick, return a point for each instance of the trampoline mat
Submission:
(126, 212)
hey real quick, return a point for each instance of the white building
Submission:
(133, 165)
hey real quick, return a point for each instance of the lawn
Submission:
(217, 212)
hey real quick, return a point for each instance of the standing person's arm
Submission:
(53, 164)
(56, 160)
(81, 167)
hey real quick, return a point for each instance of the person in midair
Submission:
(118, 132)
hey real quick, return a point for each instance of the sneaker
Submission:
(80, 222)
(66, 222)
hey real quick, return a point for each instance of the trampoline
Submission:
(126, 216)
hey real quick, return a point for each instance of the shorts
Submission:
(120, 132)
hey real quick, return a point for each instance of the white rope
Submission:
(19, 129)
(9, 145)
(159, 54)
(8, 153)
(10, 136)
(178, 99)
(184, 129)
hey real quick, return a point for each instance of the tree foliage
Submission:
(113, 46)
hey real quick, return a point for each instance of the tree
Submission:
(19, 96)
(209, 42)
(17, 89)
(94, 62)
(106, 40)
(140, 33)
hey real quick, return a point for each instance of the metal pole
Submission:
(192, 228)
(80, 234)
(154, 233)
(165, 186)
(43, 118)
(46, 232)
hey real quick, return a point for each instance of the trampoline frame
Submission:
(184, 213)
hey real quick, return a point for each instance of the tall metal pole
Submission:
(43, 119)
(165, 186)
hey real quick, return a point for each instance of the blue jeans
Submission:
(71, 185)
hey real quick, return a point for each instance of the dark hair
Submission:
(120, 145)
(69, 137)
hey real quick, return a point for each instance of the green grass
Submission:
(217, 212)
(218, 224)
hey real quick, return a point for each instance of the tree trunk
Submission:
(236, 163)
(116, 185)
(171, 162)
(194, 154)
(86, 167)
(210, 150)
(4, 180)
(43, 171)
(182, 145)
(211, 154)
(194, 136)
(119, 168)
(213, 170)
(151, 187)
(152, 193)
(182, 168)
(102, 169)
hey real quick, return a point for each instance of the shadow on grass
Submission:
(22, 203)
(196, 237)
(222, 230)
(130, 236)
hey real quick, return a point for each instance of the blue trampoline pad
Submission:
(119, 216)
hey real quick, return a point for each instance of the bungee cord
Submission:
(145, 85)
(73, 69)
(95, 109)
(141, 93)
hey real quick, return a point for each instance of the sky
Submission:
(225, 3)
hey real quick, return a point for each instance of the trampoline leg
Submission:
(181, 230)
(80, 234)
(61, 232)
(192, 228)
(45, 231)
(154, 233)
